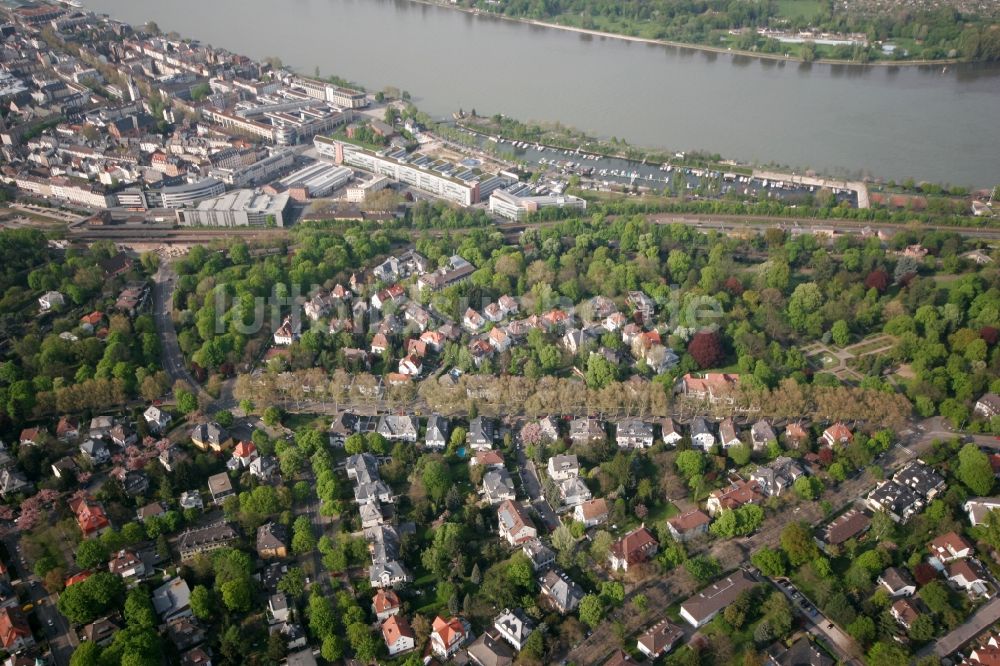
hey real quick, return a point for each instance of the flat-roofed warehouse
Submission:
(239, 208)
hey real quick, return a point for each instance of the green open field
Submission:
(804, 9)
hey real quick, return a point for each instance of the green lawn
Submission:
(805, 9)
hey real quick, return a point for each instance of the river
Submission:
(927, 123)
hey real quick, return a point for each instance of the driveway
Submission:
(533, 487)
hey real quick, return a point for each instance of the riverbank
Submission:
(774, 57)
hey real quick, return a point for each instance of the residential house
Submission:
(67, 429)
(411, 365)
(948, 548)
(540, 555)
(272, 541)
(371, 515)
(191, 499)
(727, 433)
(490, 650)
(795, 435)
(380, 343)
(634, 434)
(65, 468)
(244, 453)
(436, 436)
(848, 525)
(642, 304)
(151, 510)
(277, 608)
(970, 576)
(12, 482)
(508, 305)
(838, 433)
(288, 332)
(670, 432)
(96, 451)
(417, 316)
(987, 406)
(514, 523)
(714, 387)
(220, 487)
(386, 570)
(472, 321)
(979, 509)
(171, 457)
(548, 428)
(156, 418)
(900, 502)
(591, 512)
(127, 564)
(398, 427)
(50, 300)
(100, 427)
(905, 611)
(701, 434)
(491, 459)
(172, 600)
(264, 468)
(15, 634)
(194, 542)
(447, 636)
(211, 436)
(802, 652)
(90, 516)
(498, 486)
(762, 435)
(343, 426)
(660, 639)
(563, 466)
(586, 430)
(689, 525)
(100, 632)
(499, 339)
(514, 627)
(30, 436)
(733, 496)
(385, 604)
(897, 582)
(123, 436)
(636, 547)
(777, 476)
(564, 594)
(573, 491)
(702, 607)
(433, 339)
(398, 635)
(921, 478)
(482, 433)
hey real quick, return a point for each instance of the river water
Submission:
(928, 123)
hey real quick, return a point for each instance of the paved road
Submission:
(173, 359)
(982, 619)
(56, 629)
(845, 647)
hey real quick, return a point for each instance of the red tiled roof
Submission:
(449, 630)
(244, 450)
(12, 626)
(633, 546)
(394, 628)
(385, 600)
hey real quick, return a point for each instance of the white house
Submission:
(562, 467)
(50, 299)
(398, 635)
(156, 418)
